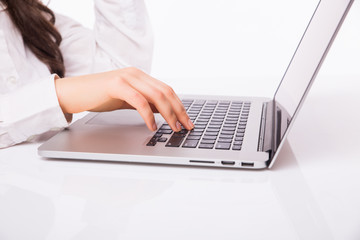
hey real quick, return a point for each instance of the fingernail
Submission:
(191, 124)
(178, 126)
(154, 127)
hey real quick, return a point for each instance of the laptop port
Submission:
(201, 161)
(228, 163)
(247, 164)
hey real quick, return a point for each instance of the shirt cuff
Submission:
(31, 110)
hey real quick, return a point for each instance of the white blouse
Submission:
(29, 107)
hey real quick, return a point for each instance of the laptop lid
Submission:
(304, 66)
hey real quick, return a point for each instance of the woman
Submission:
(45, 58)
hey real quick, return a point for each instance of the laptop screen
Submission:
(306, 62)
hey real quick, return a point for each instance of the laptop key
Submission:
(225, 140)
(193, 137)
(236, 147)
(213, 130)
(207, 133)
(193, 112)
(205, 141)
(228, 128)
(190, 144)
(152, 141)
(162, 139)
(226, 136)
(220, 114)
(158, 134)
(178, 135)
(232, 118)
(218, 117)
(216, 121)
(210, 137)
(202, 126)
(230, 122)
(223, 146)
(174, 142)
(199, 102)
(217, 126)
(165, 127)
(195, 133)
(239, 136)
(224, 102)
(206, 146)
(165, 131)
(183, 131)
(227, 132)
(202, 121)
(227, 125)
(205, 114)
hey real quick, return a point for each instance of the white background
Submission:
(199, 43)
(312, 192)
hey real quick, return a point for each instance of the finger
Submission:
(126, 105)
(140, 82)
(164, 98)
(165, 109)
(137, 101)
(153, 108)
(176, 105)
(178, 108)
(164, 106)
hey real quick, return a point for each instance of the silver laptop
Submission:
(230, 132)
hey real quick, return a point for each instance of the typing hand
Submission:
(127, 88)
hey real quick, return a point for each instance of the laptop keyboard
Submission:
(218, 125)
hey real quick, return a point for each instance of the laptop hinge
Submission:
(266, 129)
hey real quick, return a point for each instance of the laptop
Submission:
(230, 132)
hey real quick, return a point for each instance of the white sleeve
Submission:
(121, 37)
(28, 111)
(123, 31)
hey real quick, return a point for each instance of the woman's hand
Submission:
(127, 88)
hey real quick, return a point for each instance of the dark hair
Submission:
(35, 21)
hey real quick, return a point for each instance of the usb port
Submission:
(228, 162)
(247, 164)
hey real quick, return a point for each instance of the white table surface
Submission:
(312, 192)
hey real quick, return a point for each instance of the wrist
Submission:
(68, 116)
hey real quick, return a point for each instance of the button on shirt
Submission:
(121, 37)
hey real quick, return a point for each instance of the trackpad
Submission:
(119, 118)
